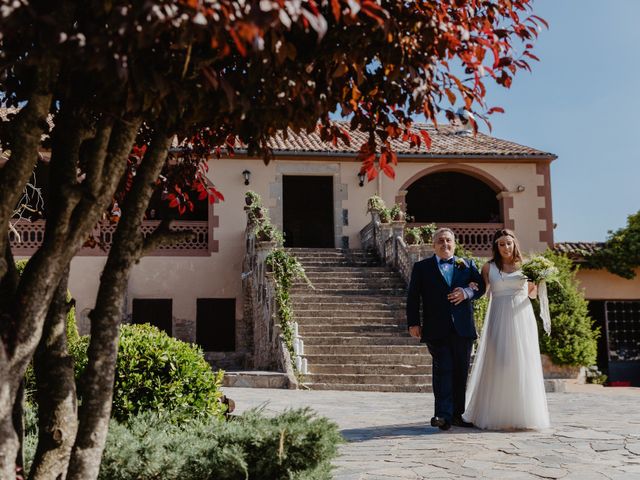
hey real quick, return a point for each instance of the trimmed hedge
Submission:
(155, 372)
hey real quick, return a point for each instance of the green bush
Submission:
(573, 340)
(155, 372)
(293, 445)
(620, 254)
(158, 373)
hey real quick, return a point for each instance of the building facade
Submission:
(473, 184)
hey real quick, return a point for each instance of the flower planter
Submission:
(566, 372)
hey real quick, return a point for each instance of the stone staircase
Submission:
(353, 325)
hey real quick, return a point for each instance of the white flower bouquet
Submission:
(539, 269)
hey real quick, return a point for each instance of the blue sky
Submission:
(582, 103)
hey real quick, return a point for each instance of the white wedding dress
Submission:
(506, 390)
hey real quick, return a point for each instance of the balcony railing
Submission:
(388, 241)
(475, 237)
(30, 234)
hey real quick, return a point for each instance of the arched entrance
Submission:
(452, 197)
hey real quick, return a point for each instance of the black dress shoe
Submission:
(440, 422)
(459, 422)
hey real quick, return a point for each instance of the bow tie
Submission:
(450, 261)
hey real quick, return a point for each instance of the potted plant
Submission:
(426, 232)
(375, 204)
(412, 236)
(397, 215)
(252, 199)
(385, 215)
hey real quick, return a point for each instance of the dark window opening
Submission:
(452, 197)
(307, 210)
(155, 311)
(216, 324)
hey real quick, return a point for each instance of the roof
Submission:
(447, 140)
(578, 250)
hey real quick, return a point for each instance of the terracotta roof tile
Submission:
(577, 250)
(446, 140)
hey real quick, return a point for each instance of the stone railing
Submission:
(30, 235)
(269, 349)
(388, 241)
(476, 237)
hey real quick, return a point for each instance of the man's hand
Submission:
(415, 331)
(456, 296)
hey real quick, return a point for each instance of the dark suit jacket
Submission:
(428, 284)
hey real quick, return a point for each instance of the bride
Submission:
(506, 390)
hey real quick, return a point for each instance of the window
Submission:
(216, 324)
(155, 311)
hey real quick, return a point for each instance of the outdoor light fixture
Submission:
(520, 188)
(361, 177)
(247, 176)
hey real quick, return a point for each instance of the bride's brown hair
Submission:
(497, 258)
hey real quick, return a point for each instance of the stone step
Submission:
(305, 298)
(371, 349)
(339, 313)
(324, 340)
(360, 369)
(422, 358)
(342, 320)
(350, 290)
(368, 328)
(423, 388)
(336, 378)
(355, 273)
(351, 279)
(303, 306)
(344, 269)
(255, 379)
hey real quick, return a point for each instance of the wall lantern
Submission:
(247, 176)
(520, 188)
(361, 177)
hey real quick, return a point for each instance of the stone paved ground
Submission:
(595, 435)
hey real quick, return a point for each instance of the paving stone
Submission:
(389, 439)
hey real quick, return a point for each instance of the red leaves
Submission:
(427, 138)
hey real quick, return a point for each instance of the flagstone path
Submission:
(595, 435)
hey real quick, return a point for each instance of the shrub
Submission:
(155, 372)
(293, 445)
(158, 373)
(620, 254)
(573, 340)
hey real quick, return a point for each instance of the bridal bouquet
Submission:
(539, 269)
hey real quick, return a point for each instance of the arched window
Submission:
(448, 197)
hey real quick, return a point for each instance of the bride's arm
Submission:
(533, 290)
(485, 275)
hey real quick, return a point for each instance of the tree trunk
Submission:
(56, 392)
(98, 378)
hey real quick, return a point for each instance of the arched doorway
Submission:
(452, 197)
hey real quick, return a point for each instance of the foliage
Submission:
(385, 216)
(620, 253)
(594, 375)
(267, 232)
(413, 236)
(396, 213)
(213, 74)
(538, 269)
(427, 231)
(286, 270)
(573, 339)
(295, 444)
(375, 204)
(158, 373)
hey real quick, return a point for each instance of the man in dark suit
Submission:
(447, 285)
